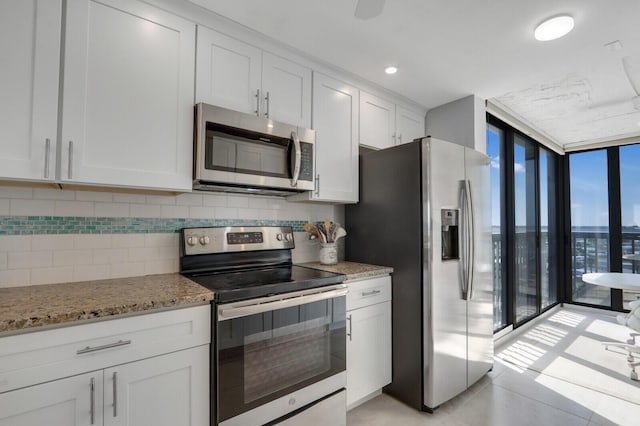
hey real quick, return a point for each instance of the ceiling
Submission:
(573, 90)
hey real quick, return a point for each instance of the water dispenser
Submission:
(450, 234)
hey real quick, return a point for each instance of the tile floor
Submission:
(508, 395)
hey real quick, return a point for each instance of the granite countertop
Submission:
(23, 308)
(353, 270)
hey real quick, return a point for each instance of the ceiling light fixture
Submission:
(391, 70)
(554, 28)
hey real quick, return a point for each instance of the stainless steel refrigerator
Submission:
(425, 211)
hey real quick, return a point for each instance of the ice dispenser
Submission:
(450, 234)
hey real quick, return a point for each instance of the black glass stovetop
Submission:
(250, 283)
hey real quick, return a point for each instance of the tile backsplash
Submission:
(52, 235)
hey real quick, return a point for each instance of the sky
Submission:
(588, 180)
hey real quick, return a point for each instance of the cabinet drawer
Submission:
(368, 292)
(31, 358)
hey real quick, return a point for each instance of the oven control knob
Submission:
(204, 240)
(289, 237)
(192, 241)
(279, 237)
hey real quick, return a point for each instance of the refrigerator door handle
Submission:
(471, 239)
(462, 265)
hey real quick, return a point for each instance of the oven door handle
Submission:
(258, 306)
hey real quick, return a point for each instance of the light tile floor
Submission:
(507, 396)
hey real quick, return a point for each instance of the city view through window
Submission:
(528, 282)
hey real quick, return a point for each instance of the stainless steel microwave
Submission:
(238, 152)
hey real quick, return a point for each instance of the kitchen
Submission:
(101, 181)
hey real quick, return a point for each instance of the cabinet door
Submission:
(73, 401)
(227, 72)
(335, 119)
(368, 350)
(409, 125)
(286, 88)
(166, 390)
(30, 51)
(127, 118)
(377, 121)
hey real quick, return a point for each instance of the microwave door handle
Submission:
(297, 159)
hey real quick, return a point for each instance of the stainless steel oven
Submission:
(238, 152)
(279, 334)
(276, 354)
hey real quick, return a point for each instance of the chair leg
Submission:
(634, 374)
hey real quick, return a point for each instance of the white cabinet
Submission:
(65, 402)
(384, 124)
(377, 121)
(409, 125)
(127, 115)
(368, 338)
(167, 390)
(30, 51)
(127, 100)
(148, 369)
(238, 76)
(335, 120)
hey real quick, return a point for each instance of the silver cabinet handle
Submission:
(317, 185)
(266, 98)
(257, 111)
(89, 349)
(92, 402)
(297, 159)
(370, 293)
(115, 394)
(350, 327)
(70, 170)
(47, 150)
(400, 138)
(393, 139)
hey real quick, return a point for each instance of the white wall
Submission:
(462, 121)
(43, 258)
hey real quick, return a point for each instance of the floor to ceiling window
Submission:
(495, 150)
(630, 214)
(588, 176)
(524, 178)
(605, 221)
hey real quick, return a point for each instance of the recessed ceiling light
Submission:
(554, 28)
(391, 70)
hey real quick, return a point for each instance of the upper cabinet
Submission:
(127, 97)
(29, 79)
(384, 124)
(335, 120)
(409, 125)
(377, 121)
(238, 76)
(127, 115)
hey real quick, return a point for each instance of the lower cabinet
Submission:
(368, 338)
(123, 385)
(67, 402)
(166, 390)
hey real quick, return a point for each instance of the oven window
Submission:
(241, 154)
(264, 356)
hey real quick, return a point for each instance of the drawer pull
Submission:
(370, 293)
(89, 349)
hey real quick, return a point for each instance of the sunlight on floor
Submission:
(614, 410)
(521, 353)
(546, 334)
(571, 319)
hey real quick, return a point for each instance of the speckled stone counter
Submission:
(23, 308)
(353, 270)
